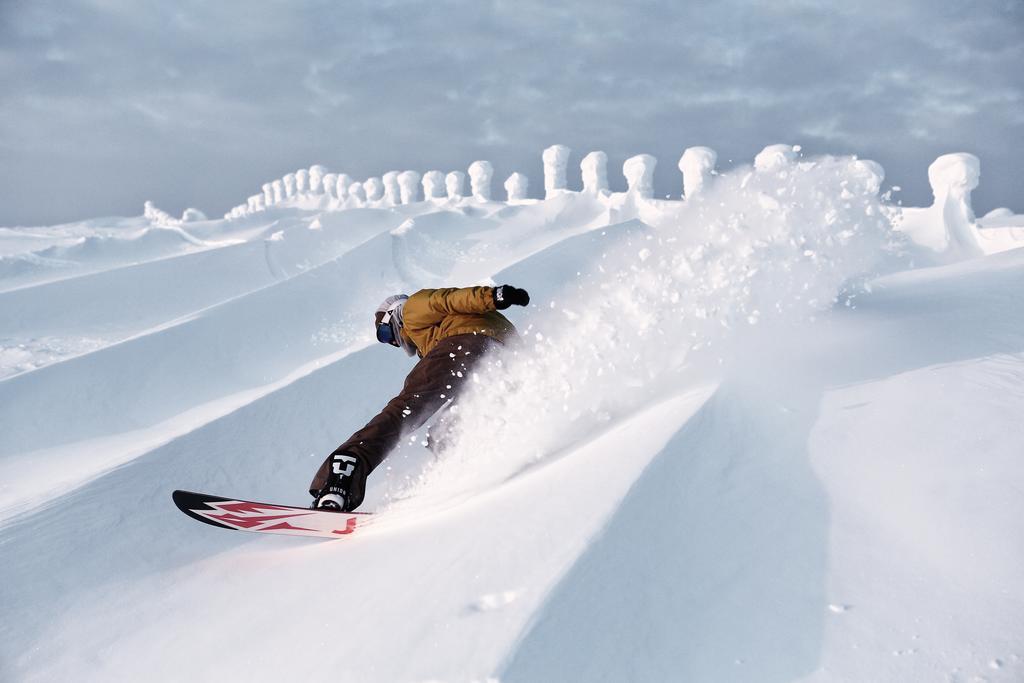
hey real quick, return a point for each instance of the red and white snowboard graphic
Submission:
(266, 518)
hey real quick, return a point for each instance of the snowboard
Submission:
(267, 518)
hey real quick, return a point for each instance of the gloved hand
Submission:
(507, 295)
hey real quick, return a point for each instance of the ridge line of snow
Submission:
(34, 257)
(185, 318)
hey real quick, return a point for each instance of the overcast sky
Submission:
(107, 103)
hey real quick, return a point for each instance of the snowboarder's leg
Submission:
(436, 379)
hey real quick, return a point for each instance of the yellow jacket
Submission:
(431, 315)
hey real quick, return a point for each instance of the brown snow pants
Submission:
(438, 377)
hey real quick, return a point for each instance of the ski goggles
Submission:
(385, 332)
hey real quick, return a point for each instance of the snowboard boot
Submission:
(345, 486)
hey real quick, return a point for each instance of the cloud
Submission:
(196, 103)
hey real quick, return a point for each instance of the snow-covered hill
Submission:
(766, 433)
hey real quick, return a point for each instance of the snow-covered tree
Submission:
(316, 175)
(268, 194)
(392, 192)
(697, 165)
(374, 189)
(356, 194)
(159, 216)
(480, 174)
(595, 172)
(516, 186)
(341, 186)
(455, 185)
(774, 156)
(409, 186)
(639, 172)
(302, 181)
(952, 178)
(329, 182)
(289, 185)
(278, 191)
(556, 160)
(433, 185)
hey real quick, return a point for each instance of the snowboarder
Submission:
(450, 330)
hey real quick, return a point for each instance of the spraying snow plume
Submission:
(656, 302)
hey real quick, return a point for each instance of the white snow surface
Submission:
(745, 437)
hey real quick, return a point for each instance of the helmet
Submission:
(387, 320)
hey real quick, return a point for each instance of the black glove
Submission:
(507, 295)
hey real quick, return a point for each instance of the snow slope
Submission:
(743, 439)
(847, 511)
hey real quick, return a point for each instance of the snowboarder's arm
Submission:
(435, 304)
(430, 306)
